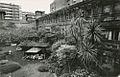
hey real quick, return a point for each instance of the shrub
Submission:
(61, 60)
(9, 67)
(85, 73)
(43, 68)
(57, 44)
(70, 40)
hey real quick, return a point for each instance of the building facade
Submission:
(12, 11)
(59, 4)
(107, 11)
(30, 17)
(27, 16)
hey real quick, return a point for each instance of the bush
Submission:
(85, 73)
(9, 67)
(70, 40)
(57, 44)
(43, 68)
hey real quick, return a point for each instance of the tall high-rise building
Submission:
(12, 11)
(58, 4)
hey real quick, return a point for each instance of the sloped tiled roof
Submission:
(33, 50)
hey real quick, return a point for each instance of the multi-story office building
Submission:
(12, 11)
(25, 15)
(59, 4)
(30, 16)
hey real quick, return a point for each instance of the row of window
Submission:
(55, 19)
(106, 10)
(112, 35)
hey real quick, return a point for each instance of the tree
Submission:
(7, 25)
(84, 46)
(17, 34)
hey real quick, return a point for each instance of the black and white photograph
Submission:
(59, 38)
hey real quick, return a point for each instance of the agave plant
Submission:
(87, 34)
(94, 32)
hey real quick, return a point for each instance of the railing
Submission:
(112, 45)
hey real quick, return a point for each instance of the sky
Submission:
(31, 5)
